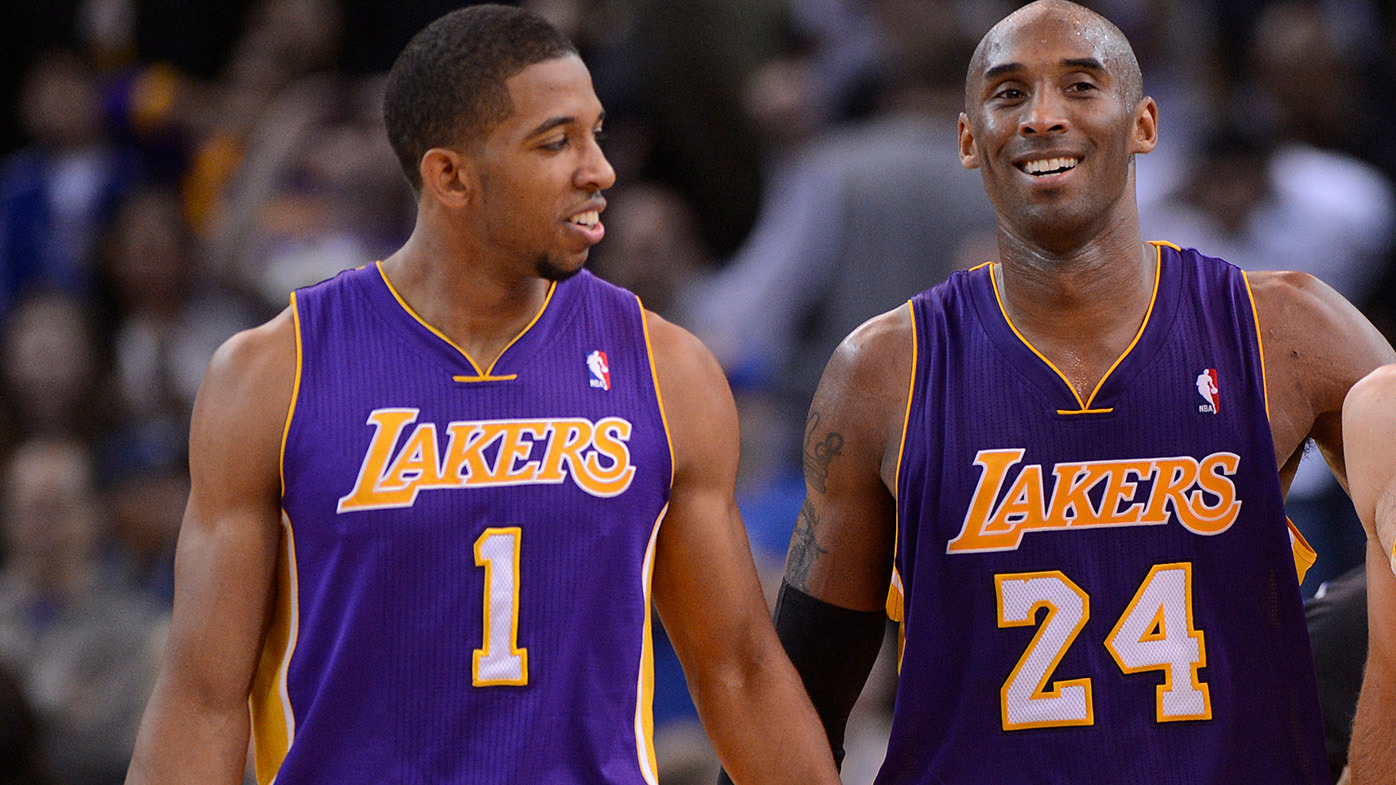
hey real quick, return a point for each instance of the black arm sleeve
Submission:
(833, 649)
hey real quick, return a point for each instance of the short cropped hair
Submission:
(447, 87)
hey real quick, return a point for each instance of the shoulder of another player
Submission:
(1374, 396)
(1369, 430)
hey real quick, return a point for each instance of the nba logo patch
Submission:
(1210, 392)
(599, 369)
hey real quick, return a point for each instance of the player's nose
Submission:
(594, 172)
(1044, 113)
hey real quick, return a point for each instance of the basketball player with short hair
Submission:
(1369, 434)
(433, 499)
(1069, 465)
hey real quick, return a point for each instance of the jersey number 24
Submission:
(1156, 632)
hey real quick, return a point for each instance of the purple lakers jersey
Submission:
(1097, 589)
(464, 587)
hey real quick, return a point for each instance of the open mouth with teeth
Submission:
(1048, 166)
(588, 219)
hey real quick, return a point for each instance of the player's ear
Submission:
(969, 154)
(1145, 135)
(448, 175)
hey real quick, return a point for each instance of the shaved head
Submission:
(1112, 47)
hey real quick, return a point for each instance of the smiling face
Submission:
(1053, 116)
(539, 173)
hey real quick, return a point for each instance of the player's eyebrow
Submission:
(1000, 70)
(1085, 63)
(554, 122)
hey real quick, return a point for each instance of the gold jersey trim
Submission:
(295, 393)
(644, 688)
(896, 595)
(273, 717)
(1084, 407)
(487, 374)
(1259, 343)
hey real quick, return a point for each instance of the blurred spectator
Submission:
(83, 647)
(1308, 63)
(869, 215)
(56, 193)
(284, 42)
(318, 191)
(143, 474)
(683, 755)
(652, 248)
(21, 750)
(168, 320)
(692, 54)
(1276, 188)
(51, 370)
(1291, 207)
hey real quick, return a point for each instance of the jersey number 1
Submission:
(500, 661)
(1156, 632)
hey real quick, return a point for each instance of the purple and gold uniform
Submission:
(1098, 590)
(465, 580)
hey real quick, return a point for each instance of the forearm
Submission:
(1372, 758)
(762, 724)
(183, 740)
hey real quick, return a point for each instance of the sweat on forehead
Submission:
(1105, 38)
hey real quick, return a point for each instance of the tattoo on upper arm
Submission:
(804, 548)
(819, 454)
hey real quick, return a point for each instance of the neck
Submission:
(1080, 308)
(452, 284)
(1104, 280)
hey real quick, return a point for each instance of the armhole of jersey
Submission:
(269, 701)
(658, 396)
(644, 704)
(1259, 343)
(295, 393)
(895, 593)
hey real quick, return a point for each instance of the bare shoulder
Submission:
(698, 407)
(1369, 431)
(1374, 396)
(880, 349)
(259, 360)
(866, 384)
(1317, 346)
(678, 354)
(1309, 328)
(245, 399)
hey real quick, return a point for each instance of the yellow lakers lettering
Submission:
(1198, 493)
(401, 463)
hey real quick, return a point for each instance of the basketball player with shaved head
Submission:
(1369, 433)
(433, 500)
(1069, 465)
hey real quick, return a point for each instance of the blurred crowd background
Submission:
(170, 170)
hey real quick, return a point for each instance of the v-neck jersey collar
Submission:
(1045, 376)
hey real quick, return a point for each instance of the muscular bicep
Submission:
(196, 723)
(705, 583)
(842, 547)
(226, 556)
